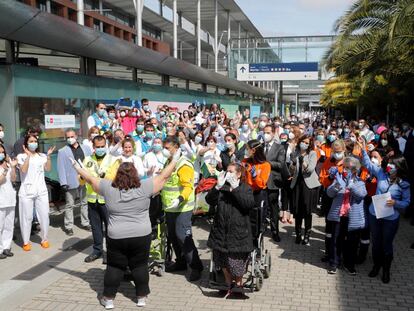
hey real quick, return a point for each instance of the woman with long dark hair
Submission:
(129, 228)
(305, 186)
(392, 176)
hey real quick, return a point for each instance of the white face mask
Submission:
(267, 137)
(338, 156)
(210, 144)
(198, 139)
(291, 136)
(262, 124)
(1, 134)
(166, 153)
(375, 161)
(93, 136)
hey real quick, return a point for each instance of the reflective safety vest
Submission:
(92, 166)
(172, 190)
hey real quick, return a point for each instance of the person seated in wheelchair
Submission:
(231, 238)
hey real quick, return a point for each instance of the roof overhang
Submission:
(20, 22)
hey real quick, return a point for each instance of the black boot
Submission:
(386, 269)
(362, 254)
(306, 238)
(377, 266)
(298, 237)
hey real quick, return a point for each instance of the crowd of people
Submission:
(136, 163)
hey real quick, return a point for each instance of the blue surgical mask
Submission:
(101, 112)
(331, 138)
(149, 135)
(320, 138)
(32, 146)
(100, 152)
(198, 139)
(286, 131)
(2, 156)
(229, 145)
(140, 128)
(377, 137)
(303, 146)
(111, 115)
(157, 147)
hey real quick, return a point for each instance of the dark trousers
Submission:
(181, 237)
(123, 253)
(273, 202)
(299, 218)
(98, 219)
(287, 199)
(383, 233)
(342, 244)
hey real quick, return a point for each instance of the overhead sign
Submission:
(278, 72)
(55, 121)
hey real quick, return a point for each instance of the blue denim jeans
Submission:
(98, 219)
(181, 238)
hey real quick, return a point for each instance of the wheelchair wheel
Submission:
(258, 276)
(267, 264)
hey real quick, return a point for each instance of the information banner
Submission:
(56, 121)
(278, 72)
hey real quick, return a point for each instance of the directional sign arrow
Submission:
(243, 69)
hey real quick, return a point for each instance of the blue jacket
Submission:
(67, 174)
(400, 192)
(356, 216)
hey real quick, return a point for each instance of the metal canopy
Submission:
(188, 9)
(20, 22)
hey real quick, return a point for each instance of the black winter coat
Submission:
(231, 231)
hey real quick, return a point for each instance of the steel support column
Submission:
(139, 4)
(296, 104)
(216, 51)
(175, 28)
(10, 51)
(199, 33)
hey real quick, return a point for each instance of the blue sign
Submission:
(284, 67)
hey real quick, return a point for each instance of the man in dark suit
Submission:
(276, 156)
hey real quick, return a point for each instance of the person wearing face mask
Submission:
(327, 175)
(97, 165)
(112, 119)
(128, 148)
(145, 108)
(305, 186)
(138, 133)
(257, 173)
(92, 133)
(346, 217)
(245, 131)
(276, 156)
(396, 132)
(388, 145)
(178, 200)
(234, 200)
(8, 150)
(33, 192)
(286, 195)
(364, 130)
(126, 120)
(7, 202)
(210, 158)
(99, 118)
(115, 148)
(327, 146)
(232, 153)
(186, 146)
(392, 178)
(69, 181)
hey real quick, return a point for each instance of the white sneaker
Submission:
(107, 303)
(141, 302)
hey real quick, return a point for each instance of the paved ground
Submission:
(299, 281)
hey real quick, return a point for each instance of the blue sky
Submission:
(294, 17)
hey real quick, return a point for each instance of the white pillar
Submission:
(175, 28)
(199, 33)
(80, 7)
(101, 12)
(139, 4)
(228, 40)
(216, 48)
(296, 104)
(48, 6)
(238, 45)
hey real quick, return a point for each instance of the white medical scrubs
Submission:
(7, 207)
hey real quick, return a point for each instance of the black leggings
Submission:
(123, 253)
